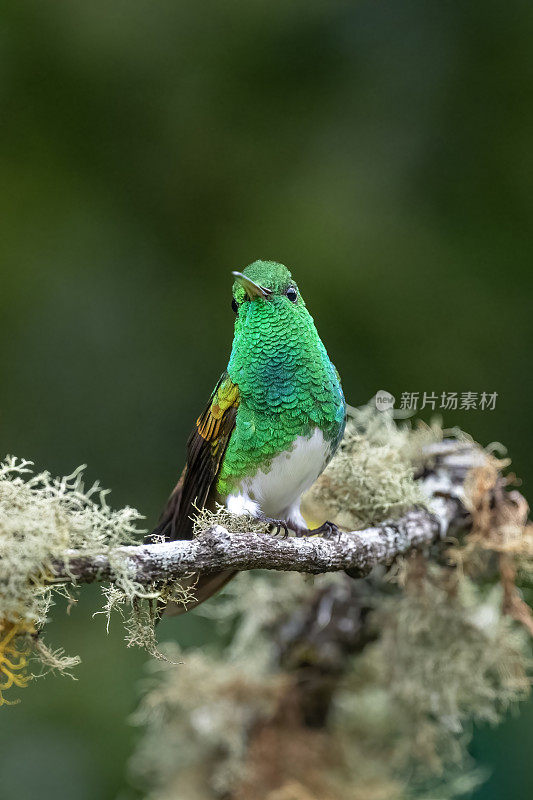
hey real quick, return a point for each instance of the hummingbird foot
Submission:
(278, 524)
(328, 531)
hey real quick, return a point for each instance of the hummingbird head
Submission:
(272, 324)
(276, 356)
(265, 281)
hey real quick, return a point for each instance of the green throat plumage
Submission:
(288, 387)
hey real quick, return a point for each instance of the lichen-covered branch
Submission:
(217, 548)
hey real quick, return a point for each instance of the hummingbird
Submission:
(272, 423)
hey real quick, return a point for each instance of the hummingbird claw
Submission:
(328, 531)
(278, 524)
(331, 531)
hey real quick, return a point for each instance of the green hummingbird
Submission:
(272, 424)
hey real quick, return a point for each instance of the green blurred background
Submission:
(381, 149)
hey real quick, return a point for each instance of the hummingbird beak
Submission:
(252, 289)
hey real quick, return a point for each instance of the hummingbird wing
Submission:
(205, 451)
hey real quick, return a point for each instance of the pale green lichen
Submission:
(199, 713)
(272, 595)
(372, 476)
(446, 657)
(401, 718)
(242, 523)
(401, 715)
(42, 518)
(141, 610)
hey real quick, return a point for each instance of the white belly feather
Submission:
(277, 492)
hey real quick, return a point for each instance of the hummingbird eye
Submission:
(234, 305)
(292, 294)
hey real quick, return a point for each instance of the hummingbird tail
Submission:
(196, 487)
(174, 524)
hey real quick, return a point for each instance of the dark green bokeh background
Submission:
(382, 149)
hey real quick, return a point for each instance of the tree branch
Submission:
(357, 552)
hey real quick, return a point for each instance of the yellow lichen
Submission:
(13, 659)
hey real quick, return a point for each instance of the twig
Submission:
(357, 552)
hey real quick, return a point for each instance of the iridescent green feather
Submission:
(287, 384)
